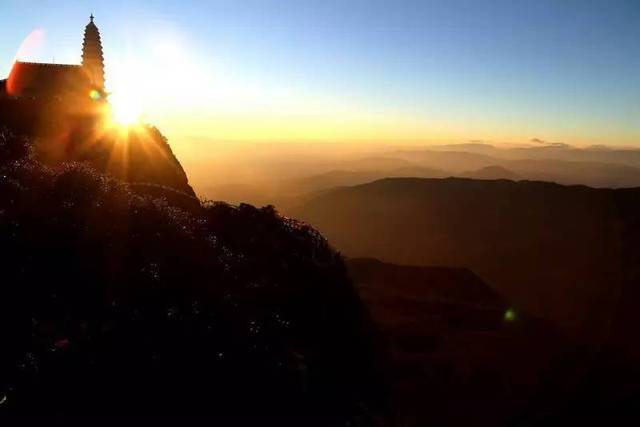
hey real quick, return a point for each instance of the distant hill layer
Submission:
(557, 151)
(563, 253)
(338, 178)
(595, 168)
(492, 172)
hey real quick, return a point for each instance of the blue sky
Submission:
(560, 70)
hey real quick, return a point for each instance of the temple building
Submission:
(65, 82)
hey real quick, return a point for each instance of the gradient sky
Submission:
(454, 70)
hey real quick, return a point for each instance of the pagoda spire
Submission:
(92, 58)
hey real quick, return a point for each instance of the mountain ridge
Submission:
(548, 247)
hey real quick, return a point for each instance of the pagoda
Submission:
(66, 82)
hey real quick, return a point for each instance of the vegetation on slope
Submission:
(116, 305)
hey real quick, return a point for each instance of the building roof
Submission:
(47, 80)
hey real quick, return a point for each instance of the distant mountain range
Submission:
(558, 151)
(567, 254)
(611, 170)
(290, 181)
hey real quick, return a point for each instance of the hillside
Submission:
(457, 353)
(563, 253)
(117, 304)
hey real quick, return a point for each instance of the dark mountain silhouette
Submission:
(119, 305)
(450, 345)
(459, 354)
(492, 172)
(563, 253)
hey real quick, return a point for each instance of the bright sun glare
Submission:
(125, 109)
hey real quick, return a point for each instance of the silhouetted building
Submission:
(61, 81)
(92, 59)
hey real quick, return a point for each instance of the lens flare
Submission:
(510, 315)
(31, 46)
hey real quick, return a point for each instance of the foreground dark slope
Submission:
(568, 254)
(118, 306)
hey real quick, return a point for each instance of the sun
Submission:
(125, 108)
